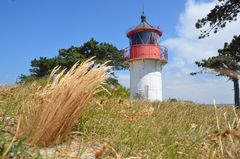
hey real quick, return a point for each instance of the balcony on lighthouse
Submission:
(144, 41)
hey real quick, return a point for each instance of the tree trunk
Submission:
(236, 92)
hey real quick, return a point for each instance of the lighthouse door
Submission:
(146, 91)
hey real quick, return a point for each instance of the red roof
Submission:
(144, 26)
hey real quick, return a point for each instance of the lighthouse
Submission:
(145, 58)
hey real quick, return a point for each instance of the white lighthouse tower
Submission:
(146, 59)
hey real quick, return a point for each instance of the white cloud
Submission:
(186, 49)
(185, 87)
(187, 45)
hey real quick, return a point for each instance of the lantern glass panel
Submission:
(144, 37)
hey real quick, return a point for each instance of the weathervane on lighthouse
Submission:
(145, 58)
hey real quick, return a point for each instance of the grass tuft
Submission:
(48, 115)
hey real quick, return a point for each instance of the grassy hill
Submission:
(132, 129)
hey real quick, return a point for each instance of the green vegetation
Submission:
(66, 58)
(170, 129)
(224, 12)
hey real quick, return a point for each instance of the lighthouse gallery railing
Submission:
(163, 53)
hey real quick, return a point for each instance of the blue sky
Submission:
(33, 28)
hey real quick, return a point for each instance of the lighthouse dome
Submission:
(144, 26)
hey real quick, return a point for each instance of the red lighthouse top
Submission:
(144, 26)
(145, 42)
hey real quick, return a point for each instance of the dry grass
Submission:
(226, 137)
(6, 91)
(163, 130)
(129, 128)
(48, 115)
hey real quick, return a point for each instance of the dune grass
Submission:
(136, 128)
(48, 115)
(163, 130)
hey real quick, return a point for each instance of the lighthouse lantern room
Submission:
(145, 58)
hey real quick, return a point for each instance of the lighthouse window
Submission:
(144, 38)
